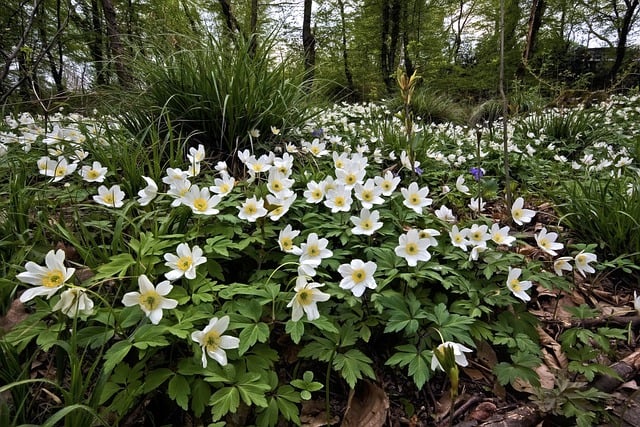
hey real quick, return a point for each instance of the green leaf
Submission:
(117, 266)
(295, 330)
(325, 325)
(353, 365)
(419, 370)
(116, 354)
(224, 401)
(508, 374)
(155, 378)
(200, 393)
(251, 334)
(179, 391)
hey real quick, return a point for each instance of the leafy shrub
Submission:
(216, 94)
(604, 210)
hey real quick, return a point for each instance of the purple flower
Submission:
(418, 170)
(477, 173)
(317, 133)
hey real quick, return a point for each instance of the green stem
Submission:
(326, 388)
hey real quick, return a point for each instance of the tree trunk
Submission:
(408, 64)
(230, 20)
(391, 15)
(345, 57)
(384, 45)
(309, 46)
(623, 34)
(96, 45)
(115, 43)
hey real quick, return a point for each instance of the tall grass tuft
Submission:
(216, 94)
(606, 211)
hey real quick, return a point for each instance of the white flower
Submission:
(223, 186)
(196, 155)
(74, 301)
(357, 276)
(350, 175)
(387, 183)
(412, 248)
(582, 261)
(445, 214)
(561, 264)
(200, 201)
(516, 286)
(278, 206)
(112, 197)
(314, 192)
(278, 184)
(416, 198)
(175, 176)
(314, 250)
(339, 199)
(478, 235)
(429, 234)
(285, 240)
(547, 242)
(94, 173)
(461, 187)
(62, 169)
(254, 133)
(636, 302)
(519, 214)
(500, 236)
(178, 190)
(368, 194)
(458, 353)
(476, 204)
(367, 223)
(184, 263)
(252, 209)
(459, 237)
(49, 279)
(151, 299)
(476, 251)
(147, 194)
(305, 300)
(212, 341)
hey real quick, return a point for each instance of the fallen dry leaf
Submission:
(313, 414)
(15, 315)
(483, 411)
(367, 406)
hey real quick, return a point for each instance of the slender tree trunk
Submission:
(623, 34)
(253, 28)
(384, 45)
(308, 45)
(408, 64)
(391, 15)
(230, 20)
(115, 43)
(96, 45)
(345, 57)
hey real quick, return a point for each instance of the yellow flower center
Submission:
(250, 209)
(316, 194)
(53, 279)
(414, 199)
(315, 150)
(277, 211)
(366, 224)
(184, 263)
(339, 201)
(212, 340)
(286, 243)
(313, 250)
(304, 297)
(386, 185)
(257, 167)
(339, 164)
(580, 259)
(498, 238)
(411, 248)
(150, 300)
(517, 214)
(283, 170)
(61, 170)
(544, 243)
(93, 174)
(457, 238)
(515, 285)
(367, 195)
(350, 179)
(200, 204)
(108, 198)
(476, 235)
(276, 186)
(224, 188)
(358, 275)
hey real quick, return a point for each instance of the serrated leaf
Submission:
(251, 334)
(419, 371)
(224, 401)
(179, 391)
(353, 365)
(295, 330)
(325, 324)
(116, 354)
